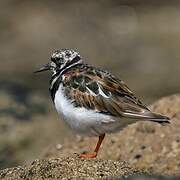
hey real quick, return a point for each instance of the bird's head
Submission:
(60, 60)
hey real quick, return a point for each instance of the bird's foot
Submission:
(90, 155)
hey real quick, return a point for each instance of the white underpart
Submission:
(83, 121)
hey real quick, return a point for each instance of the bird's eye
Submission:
(59, 59)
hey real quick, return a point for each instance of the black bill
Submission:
(45, 67)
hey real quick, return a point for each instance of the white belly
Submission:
(84, 121)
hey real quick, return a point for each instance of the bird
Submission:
(92, 101)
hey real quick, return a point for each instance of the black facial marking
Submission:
(58, 61)
(77, 58)
(70, 63)
(54, 87)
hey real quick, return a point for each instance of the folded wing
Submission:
(100, 91)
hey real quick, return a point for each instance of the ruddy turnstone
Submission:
(92, 101)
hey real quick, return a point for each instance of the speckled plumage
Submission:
(98, 90)
(93, 101)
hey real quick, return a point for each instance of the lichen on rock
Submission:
(70, 168)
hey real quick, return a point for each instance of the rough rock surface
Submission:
(152, 177)
(70, 168)
(144, 144)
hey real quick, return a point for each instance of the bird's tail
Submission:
(148, 115)
(160, 119)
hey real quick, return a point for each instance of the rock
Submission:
(152, 177)
(70, 168)
(144, 144)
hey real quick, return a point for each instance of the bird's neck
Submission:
(56, 78)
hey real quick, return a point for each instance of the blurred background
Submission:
(137, 41)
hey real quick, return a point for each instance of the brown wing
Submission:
(102, 92)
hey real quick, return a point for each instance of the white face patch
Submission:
(53, 64)
(53, 67)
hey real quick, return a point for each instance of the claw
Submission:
(94, 154)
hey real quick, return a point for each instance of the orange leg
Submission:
(94, 154)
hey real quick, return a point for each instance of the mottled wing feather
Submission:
(100, 91)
